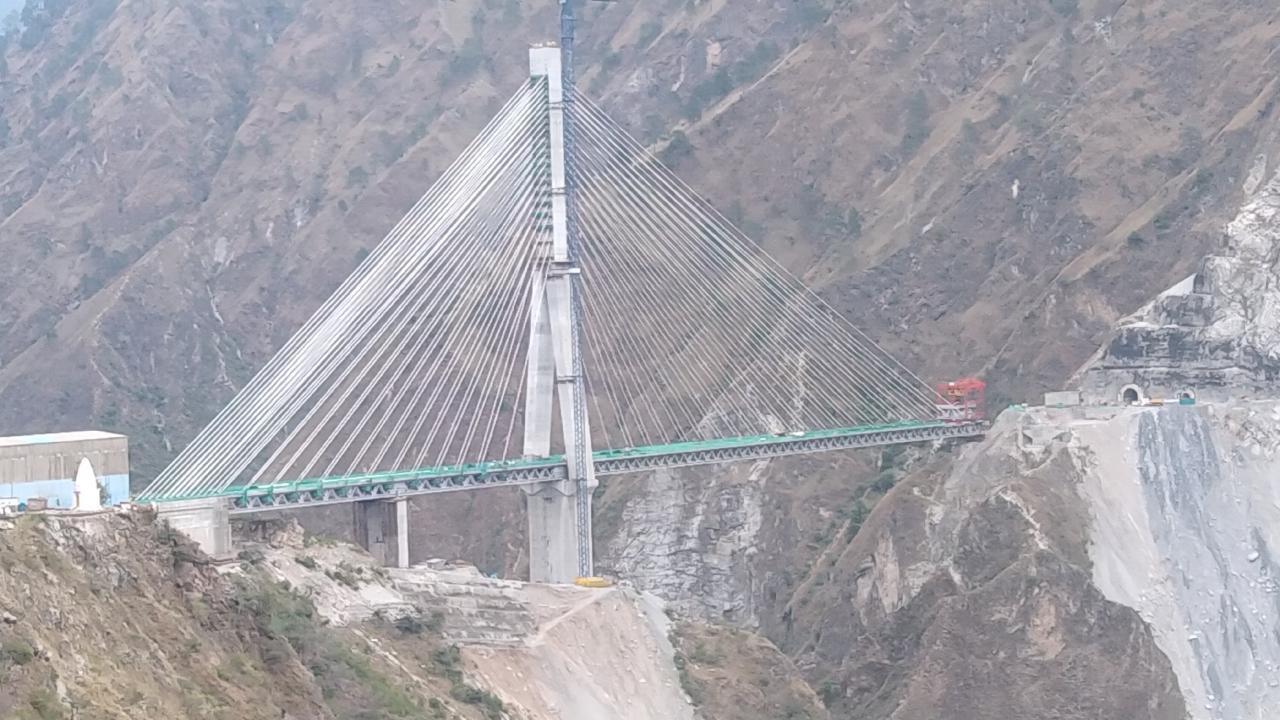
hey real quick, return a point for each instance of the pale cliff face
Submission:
(1215, 335)
(1185, 522)
(1246, 279)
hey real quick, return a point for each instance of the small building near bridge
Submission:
(44, 466)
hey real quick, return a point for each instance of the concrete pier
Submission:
(402, 533)
(553, 536)
(382, 528)
(206, 522)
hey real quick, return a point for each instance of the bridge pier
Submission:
(402, 532)
(206, 522)
(382, 528)
(553, 535)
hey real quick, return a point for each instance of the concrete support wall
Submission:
(206, 522)
(378, 526)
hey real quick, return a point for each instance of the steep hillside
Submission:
(1097, 561)
(982, 186)
(969, 588)
(735, 675)
(113, 616)
(85, 604)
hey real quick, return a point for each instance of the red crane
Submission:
(962, 400)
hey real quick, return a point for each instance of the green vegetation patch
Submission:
(350, 680)
(14, 651)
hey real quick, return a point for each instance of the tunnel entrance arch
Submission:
(1131, 395)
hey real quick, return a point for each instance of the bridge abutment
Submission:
(553, 536)
(206, 522)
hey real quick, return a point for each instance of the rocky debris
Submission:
(1185, 515)
(345, 584)
(472, 609)
(307, 630)
(596, 654)
(553, 652)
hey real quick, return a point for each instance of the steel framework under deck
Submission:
(356, 488)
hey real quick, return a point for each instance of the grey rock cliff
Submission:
(1185, 521)
(1216, 335)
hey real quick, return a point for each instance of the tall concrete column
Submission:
(553, 536)
(382, 528)
(402, 532)
(557, 530)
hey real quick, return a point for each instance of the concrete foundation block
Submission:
(206, 522)
(1062, 399)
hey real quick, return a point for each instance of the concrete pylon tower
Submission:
(560, 511)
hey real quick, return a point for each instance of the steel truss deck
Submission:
(356, 488)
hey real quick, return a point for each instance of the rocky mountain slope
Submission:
(969, 588)
(112, 615)
(115, 617)
(982, 186)
(1097, 561)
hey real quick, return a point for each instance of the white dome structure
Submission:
(88, 495)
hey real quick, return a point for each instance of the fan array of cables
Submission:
(418, 360)
(694, 332)
(411, 361)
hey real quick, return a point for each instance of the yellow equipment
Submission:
(592, 582)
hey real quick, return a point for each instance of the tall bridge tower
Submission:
(448, 358)
(560, 510)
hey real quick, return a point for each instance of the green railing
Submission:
(507, 466)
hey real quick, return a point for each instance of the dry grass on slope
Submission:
(733, 674)
(115, 616)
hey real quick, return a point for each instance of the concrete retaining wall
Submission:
(206, 522)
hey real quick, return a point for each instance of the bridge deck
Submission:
(501, 473)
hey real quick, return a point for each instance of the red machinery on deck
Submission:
(962, 400)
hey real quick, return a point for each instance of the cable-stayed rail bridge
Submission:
(558, 307)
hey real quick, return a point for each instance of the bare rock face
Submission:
(968, 589)
(1185, 521)
(690, 541)
(1216, 335)
(1120, 561)
(1246, 281)
(728, 544)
